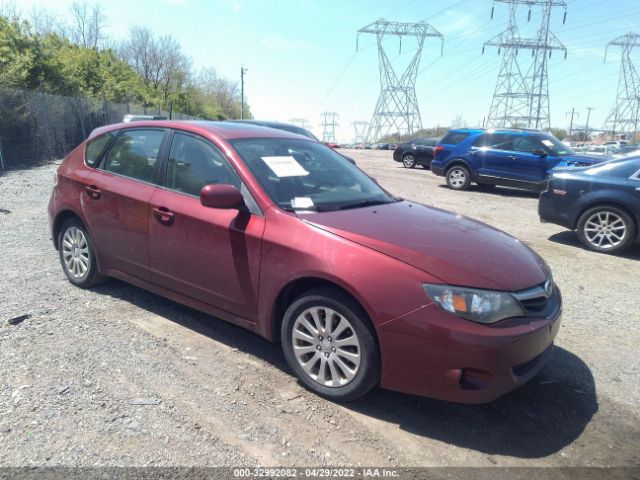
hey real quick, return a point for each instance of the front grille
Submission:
(541, 300)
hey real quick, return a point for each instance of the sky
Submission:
(302, 60)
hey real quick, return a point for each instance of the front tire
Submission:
(458, 177)
(77, 255)
(606, 229)
(330, 345)
(409, 161)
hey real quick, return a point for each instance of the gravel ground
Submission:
(116, 376)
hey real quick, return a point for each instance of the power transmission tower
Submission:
(397, 107)
(623, 118)
(329, 124)
(521, 96)
(360, 130)
(300, 122)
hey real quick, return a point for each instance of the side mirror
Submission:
(221, 196)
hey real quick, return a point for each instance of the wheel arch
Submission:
(60, 218)
(456, 162)
(294, 289)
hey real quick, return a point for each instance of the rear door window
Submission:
(95, 147)
(135, 153)
(493, 141)
(454, 138)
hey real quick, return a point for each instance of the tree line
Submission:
(40, 51)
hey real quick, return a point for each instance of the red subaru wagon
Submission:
(281, 235)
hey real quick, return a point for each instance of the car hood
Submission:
(454, 248)
(584, 159)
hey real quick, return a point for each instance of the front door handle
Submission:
(92, 191)
(637, 189)
(512, 157)
(163, 215)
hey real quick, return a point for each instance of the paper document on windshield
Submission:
(302, 203)
(285, 166)
(547, 143)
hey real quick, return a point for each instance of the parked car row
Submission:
(601, 201)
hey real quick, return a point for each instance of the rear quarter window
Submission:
(95, 147)
(454, 138)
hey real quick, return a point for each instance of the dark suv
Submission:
(510, 157)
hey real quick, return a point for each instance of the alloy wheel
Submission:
(326, 346)
(605, 229)
(75, 252)
(457, 178)
(409, 161)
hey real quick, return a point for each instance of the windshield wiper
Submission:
(363, 203)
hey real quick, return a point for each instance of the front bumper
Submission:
(552, 208)
(432, 353)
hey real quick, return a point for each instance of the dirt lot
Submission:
(118, 376)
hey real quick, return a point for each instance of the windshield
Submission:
(301, 175)
(556, 147)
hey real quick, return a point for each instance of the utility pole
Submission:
(624, 115)
(586, 128)
(243, 70)
(397, 109)
(521, 96)
(573, 112)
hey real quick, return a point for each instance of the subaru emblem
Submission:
(548, 287)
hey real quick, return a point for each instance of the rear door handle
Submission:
(92, 191)
(163, 215)
(512, 157)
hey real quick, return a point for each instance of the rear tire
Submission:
(330, 345)
(409, 161)
(77, 255)
(458, 177)
(606, 229)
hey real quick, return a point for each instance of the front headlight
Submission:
(482, 306)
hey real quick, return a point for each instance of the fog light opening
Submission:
(474, 379)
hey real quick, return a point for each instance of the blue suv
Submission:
(510, 157)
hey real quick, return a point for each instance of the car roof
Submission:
(497, 130)
(227, 130)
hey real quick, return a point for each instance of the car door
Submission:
(117, 202)
(489, 154)
(530, 160)
(208, 254)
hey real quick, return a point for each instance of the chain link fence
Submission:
(36, 126)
